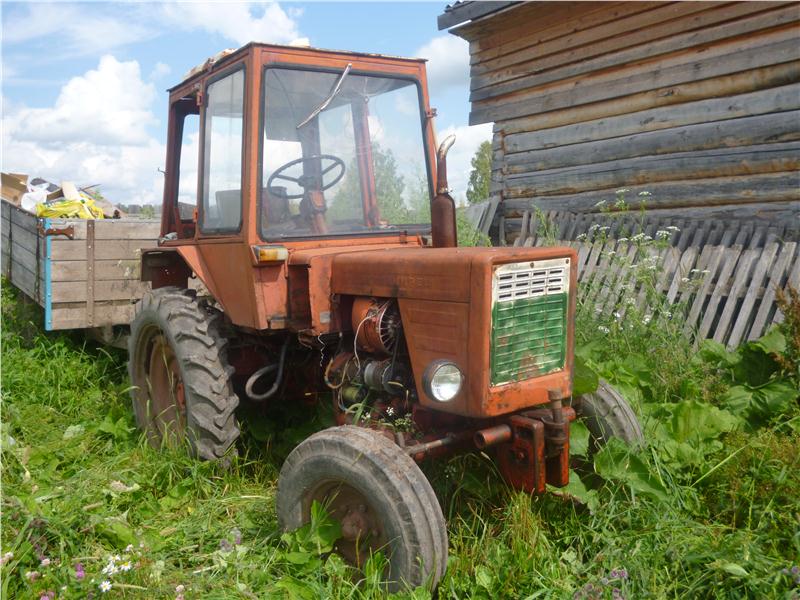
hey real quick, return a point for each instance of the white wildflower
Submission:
(129, 548)
(622, 190)
(622, 239)
(645, 193)
(661, 234)
(612, 253)
(45, 562)
(604, 228)
(179, 589)
(6, 558)
(685, 279)
(672, 228)
(390, 411)
(647, 319)
(617, 316)
(630, 301)
(126, 566)
(581, 237)
(601, 203)
(694, 271)
(105, 586)
(594, 228)
(603, 329)
(110, 569)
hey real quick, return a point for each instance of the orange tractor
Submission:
(320, 263)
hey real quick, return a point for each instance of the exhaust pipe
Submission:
(443, 209)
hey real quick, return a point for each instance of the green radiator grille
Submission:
(529, 337)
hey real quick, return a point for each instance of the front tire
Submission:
(181, 381)
(377, 493)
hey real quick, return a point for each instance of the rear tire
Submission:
(182, 389)
(398, 509)
(608, 415)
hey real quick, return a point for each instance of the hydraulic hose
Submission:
(248, 388)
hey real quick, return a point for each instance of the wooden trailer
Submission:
(84, 273)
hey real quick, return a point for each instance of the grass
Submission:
(719, 516)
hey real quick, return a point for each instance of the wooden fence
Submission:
(724, 276)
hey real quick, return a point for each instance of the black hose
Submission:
(248, 388)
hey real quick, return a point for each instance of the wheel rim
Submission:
(166, 392)
(363, 533)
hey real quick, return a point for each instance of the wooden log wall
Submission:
(697, 103)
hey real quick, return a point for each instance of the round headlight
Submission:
(443, 380)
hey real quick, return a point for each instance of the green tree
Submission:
(389, 189)
(478, 187)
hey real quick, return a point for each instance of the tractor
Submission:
(316, 260)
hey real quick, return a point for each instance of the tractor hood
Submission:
(449, 299)
(418, 273)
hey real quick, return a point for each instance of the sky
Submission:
(84, 84)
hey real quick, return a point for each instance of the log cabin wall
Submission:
(697, 103)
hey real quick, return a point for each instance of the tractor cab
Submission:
(275, 149)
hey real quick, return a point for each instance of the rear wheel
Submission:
(379, 496)
(608, 415)
(181, 388)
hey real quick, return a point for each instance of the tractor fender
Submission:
(173, 266)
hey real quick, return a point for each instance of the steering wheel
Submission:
(309, 182)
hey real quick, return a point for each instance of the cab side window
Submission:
(222, 155)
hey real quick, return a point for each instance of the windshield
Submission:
(357, 166)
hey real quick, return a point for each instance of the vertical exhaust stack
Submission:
(443, 209)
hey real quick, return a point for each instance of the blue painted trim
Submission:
(48, 284)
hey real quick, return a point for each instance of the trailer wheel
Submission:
(608, 415)
(181, 386)
(379, 496)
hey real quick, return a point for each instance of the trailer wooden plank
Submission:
(109, 249)
(105, 313)
(76, 270)
(76, 291)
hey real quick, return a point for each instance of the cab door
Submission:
(223, 189)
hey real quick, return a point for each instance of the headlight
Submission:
(442, 380)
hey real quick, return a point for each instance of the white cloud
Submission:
(96, 132)
(107, 105)
(459, 158)
(241, 22)
(448, 62)
(74, 30)
(159, 70)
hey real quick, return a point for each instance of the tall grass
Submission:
(721, 517)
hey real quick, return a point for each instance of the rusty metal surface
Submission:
(68, 231)
(445, 301)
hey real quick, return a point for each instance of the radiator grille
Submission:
(529, 319)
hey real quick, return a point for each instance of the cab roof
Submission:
(225, 56)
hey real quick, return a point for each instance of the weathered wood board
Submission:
(85, 280)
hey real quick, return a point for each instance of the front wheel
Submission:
(379, 496)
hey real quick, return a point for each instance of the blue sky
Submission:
(83, 84)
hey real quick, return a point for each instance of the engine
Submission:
(372, 370)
